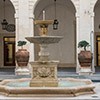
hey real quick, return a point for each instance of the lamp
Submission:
(99, 26)
(4, 23)
(55, 24)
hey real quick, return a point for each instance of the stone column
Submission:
(85, 30)
(17, 28)
(92, 40)
(22, 31)
(19, 70)
(77, 37)
(31, 32)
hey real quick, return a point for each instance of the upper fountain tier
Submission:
(44, 39)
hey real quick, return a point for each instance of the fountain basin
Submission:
(44, 39)
(66, 86)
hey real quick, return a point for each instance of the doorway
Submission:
(98, 50)
(9, 51)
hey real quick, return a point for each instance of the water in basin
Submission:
(61, 83)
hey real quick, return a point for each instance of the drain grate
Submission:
(94, 96)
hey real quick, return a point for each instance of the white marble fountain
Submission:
(44, 79)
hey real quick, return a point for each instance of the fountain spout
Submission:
(43, 26)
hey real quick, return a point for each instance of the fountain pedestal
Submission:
(44, 74)
(44, 54)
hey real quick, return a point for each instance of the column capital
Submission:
(31, 16)
(16, 15)
(92, 14)
(77, 14)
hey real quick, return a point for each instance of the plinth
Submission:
(44, 74)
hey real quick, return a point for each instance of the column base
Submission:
(22, 70)
(85, 71)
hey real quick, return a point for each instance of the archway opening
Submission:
(7, 36)
(97, 35)
(64, 51)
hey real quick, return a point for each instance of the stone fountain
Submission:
(44, 71)
(44, 81)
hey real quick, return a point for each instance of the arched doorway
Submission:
(65, 50)
(7, 36)
(97, 34)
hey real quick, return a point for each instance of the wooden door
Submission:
(9, 51)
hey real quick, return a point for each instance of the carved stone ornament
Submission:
(43, 72)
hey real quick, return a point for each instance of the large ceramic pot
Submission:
(85, 58)
(22, 57)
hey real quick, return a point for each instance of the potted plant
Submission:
(85, 56)
(22, 55)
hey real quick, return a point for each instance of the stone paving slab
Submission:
(94, 77)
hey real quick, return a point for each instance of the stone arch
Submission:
(96, 10)
(12, 4)
(15, 4)
(94, 4)
(9, 11)
(37, 1)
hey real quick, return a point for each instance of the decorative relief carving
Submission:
(43, 72)
(34, 72)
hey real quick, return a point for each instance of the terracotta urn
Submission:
(85, 58)
(22, 57)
